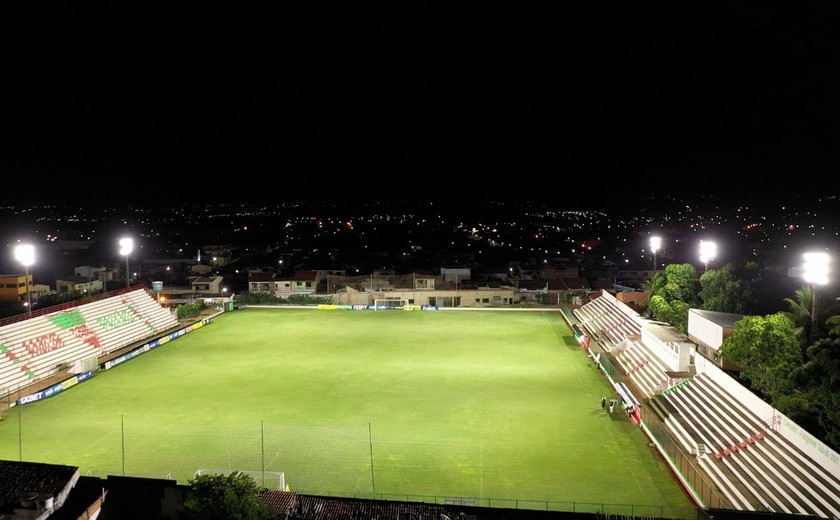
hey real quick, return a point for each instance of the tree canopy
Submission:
(224, 497)
(819, 381)
(672, 293)
(722, 291)
(767, 351)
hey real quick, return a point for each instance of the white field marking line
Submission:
(340, 431)
(275, 457)
(481, 465)
(227, 447)
(97, 441)
(390, 455)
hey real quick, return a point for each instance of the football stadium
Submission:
(539, 409)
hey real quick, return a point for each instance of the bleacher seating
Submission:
(644, 368)
(605, 320)
(35, 349)
(751, 464)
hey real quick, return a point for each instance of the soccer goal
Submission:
(398, 304)
(265, 479)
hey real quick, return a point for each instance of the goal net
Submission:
(399, 304)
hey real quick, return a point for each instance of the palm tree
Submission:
(651, 286)
(833, 324)
(800, 312)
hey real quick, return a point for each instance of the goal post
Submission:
(398, 304)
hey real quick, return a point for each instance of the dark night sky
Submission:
(499, 100)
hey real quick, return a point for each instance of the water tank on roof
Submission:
(44, 501)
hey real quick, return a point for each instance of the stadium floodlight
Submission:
(655, 244)
(708, 252)
(126, 247)
(815, 272)
(25, 254)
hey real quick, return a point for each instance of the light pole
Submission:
(25, 254)
(815, 272)
(708, 251)
(126, 246)
(655, 244)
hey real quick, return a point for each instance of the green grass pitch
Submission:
(501, 407)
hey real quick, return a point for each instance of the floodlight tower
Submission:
(708, 252)
(25, 254)
(655, 244)
(815, 272)
(126, 246)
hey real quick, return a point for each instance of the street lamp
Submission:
(126, 246)
(815, 272)
(655, 244)
(708, 251)
(25, 254)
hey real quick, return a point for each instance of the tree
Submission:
(651, 287)
(219, 497)
(833, 323)
(819, 381)
(800, 313)
(48, 300)
(659, 308)
(11, 307)
(679, 316)
(673, 294)
(722, 291)
(799, 406)
(682, 284)
(762, 287)
(767, 351)
(656, 282)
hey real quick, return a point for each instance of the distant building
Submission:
(199, 287)
(305, 282)
(82, 284)
(13, 286)
(263, 282)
